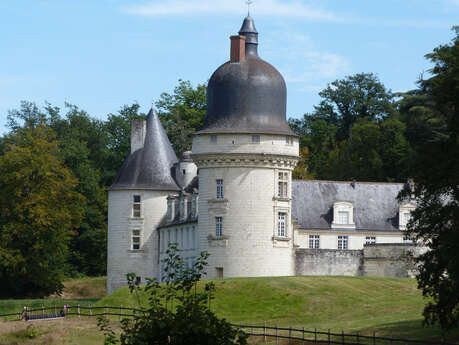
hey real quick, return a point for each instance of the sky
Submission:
(102, 54)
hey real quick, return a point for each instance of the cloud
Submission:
(278, 8)
(301, 62)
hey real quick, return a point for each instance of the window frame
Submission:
(138, 237)
(344, 241)
(219, 226)
(219, 189)
(314, 241)
(370, 239)
(136, 206)
(282, 224)
(283, 179)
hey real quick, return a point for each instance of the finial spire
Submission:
(248, 2)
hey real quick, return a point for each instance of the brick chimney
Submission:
(237, 48)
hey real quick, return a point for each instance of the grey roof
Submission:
(151, 166)
(248, 96)
(375, 204)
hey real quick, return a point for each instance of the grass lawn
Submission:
(387, 306)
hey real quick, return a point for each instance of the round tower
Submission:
(245, 154)
(137, 203)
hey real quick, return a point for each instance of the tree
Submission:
(182, 113)
(179, 312)
(39, 210)
(354, 98)
(435, 170)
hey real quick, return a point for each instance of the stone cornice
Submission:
(256, 160)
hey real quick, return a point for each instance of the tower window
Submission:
(136, 206)
(314, 241)
(135, 239)
(218, 226)
(282, 224)
(219, 189)
(282, 191)
(342, 242)
(213, 139)
(256, 139)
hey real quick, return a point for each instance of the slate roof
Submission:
(375, 205)
(151, 166)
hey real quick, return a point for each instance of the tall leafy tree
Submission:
(182, 113)
(435, 170)
(358, 97)
(40, 208)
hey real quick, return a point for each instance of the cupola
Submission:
(246, 94)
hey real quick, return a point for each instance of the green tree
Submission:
(179, 312)
(182, 113)
(435, 170)
(354, 98)
(39, 209)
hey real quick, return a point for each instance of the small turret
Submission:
(185, 170)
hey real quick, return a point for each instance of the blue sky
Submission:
(101, 54)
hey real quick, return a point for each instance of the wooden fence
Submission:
(268, 333)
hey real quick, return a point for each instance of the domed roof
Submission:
(248, 96)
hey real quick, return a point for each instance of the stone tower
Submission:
(137, 203)
(245, 154)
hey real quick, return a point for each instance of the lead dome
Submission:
(248, 96)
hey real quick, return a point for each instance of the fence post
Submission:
(90, 310)
(121, 306)
(303, 335)
(374, 338)
(289, 334)
(329, 336)
(43, 311)
(315, 335)
(55, 312)
(106, 309)
(277, 338)
(357, 338)
(342, 337)
(264, 331)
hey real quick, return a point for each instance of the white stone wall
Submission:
(121, 258)
(249, 168)
(187, 238)
(242, 143)
(329, 239)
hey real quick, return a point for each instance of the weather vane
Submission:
(248, 2)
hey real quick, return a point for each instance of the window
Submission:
(282, 191)
(370, 240)
(218, 226)
(219, 189)
(136, 206)
(138, 280)
(289, 140)
(255, 139)
(343, 217)
(282, 224)
(342, 242)
(406, 218)
(213, 139)
(314, 241)
(135, 239)
(219, 272)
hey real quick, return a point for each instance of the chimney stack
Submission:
(237, 48)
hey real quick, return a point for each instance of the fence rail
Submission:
(267, 332)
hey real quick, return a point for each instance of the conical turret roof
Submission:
(150, 167)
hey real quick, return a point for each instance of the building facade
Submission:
(233, 194)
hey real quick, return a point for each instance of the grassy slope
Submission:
(389, 306)
(83, 291)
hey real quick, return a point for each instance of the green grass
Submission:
(387, 306)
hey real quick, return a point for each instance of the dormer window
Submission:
(213, 139)
(343, 215)
(405, 214)
(255, 139)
